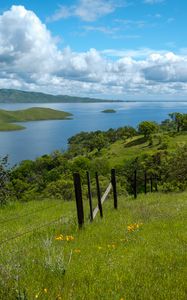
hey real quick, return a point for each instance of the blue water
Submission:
(43, 137)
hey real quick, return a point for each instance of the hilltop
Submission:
(18, 96)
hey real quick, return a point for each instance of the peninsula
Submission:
(8, 118)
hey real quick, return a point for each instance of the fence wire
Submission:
(18, 235)
(28, 214)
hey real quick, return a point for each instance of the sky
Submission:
(109, 49)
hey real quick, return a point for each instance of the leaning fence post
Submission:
(78, 197)
(99, 195)
(113, 181)
(145, 182)
(90, 196)
(135, 184)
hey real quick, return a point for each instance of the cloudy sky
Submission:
(116, 49)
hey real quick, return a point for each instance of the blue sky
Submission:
(110, 49)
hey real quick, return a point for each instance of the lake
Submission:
(43, 137)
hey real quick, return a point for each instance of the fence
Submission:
(99, 208)
(112, 186)
(79, 201)
(37, 226)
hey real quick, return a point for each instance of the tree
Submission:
(147, 128)
(4, 179)
(178, 120)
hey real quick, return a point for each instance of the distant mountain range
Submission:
(17, 96)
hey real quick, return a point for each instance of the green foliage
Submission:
(179, 121)
(87, 142)
(172, 186)
(61, 189)
(147, 128)
(80, 164)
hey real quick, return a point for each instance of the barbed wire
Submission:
(28, 214)
(29, 231)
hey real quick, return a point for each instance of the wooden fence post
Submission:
(135, 184)
(156, 183)
(151, 179)
(145, 182)
(78, 197)
(90, 196)
(99, 195)
(113, 181)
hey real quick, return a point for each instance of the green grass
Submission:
(30, 114)
(121, 150)
(10, 127)
(105, 260)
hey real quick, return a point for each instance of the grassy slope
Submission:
(30, 114)
(120, 151)
(104, 261)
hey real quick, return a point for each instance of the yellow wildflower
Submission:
(69, 238)
(45, 291)
(77, 250)
(134, 226)
(59, 238)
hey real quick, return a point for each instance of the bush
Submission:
(61, 189)
(173, 186)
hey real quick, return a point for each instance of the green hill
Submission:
(112, 258)
(17, 96)
(123, 150)
(30, 114)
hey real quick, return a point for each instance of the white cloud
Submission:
(102, 29)
(31, 60)
(86, 10)
(153, 1)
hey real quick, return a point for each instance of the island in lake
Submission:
(109, 111)
(7, 118)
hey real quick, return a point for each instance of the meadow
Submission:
(135, 252)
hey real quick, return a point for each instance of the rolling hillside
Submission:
(17, 96)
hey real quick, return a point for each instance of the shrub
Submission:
(61, 189)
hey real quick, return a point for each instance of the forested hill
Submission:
(17, 96)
